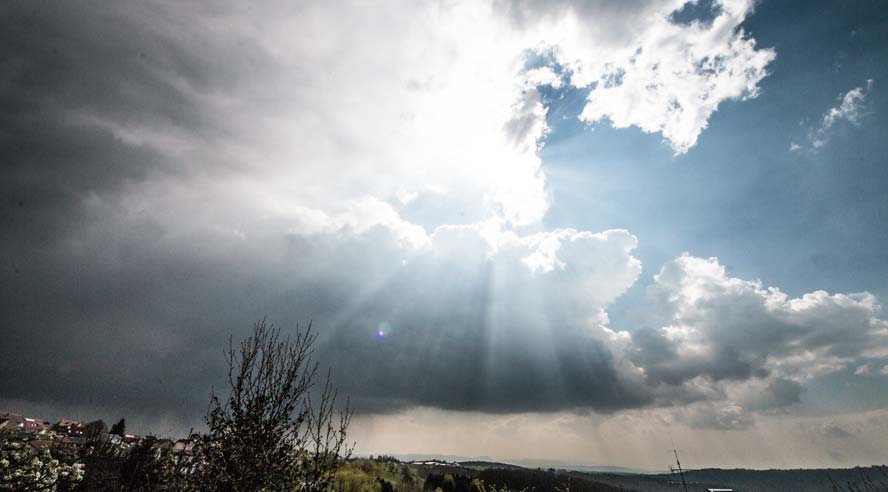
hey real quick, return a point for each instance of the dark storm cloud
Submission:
(109, 305)
(75, 298)
(666, 361)
(118, 291)
(63, 70)
(783, 393)
(109, 308)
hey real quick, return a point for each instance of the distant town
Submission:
(43, 434)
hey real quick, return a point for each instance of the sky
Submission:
(575, 231)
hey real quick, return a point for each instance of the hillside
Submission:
(387, 474)
(478, 475)
(742, 480)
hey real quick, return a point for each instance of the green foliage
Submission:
(375, 475)
(354, 479)
(406, 475)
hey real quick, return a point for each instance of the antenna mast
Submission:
(680, 471)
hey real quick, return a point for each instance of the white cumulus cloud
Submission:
(672, 77)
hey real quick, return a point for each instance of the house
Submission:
(37, 426)
(11, 421)
(131, 439)
(68, 428)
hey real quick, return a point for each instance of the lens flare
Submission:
(382, 330)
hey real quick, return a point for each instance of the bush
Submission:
(269, 434)
(25, 468)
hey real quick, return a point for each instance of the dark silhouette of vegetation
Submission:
(95, 429)
(451, 483)
(384, 458)
(866, 479)
(852, 479)
(269, 433)
(119, 429)
(406, 476)
(385, 485)
(541, 481)
(145, 466)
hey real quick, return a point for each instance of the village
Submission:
(42, 434)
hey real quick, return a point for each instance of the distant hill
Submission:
(810, 480)
(425, 475)
(543, 476)
(494, 462)
(741, 480)
(598, 469)
(489, 464)
(450, 458)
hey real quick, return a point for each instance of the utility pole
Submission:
(680, 471)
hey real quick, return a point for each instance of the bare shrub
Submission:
(269, 433)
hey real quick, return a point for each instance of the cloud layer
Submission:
(748, 347)
(644, 66)
(171, 173)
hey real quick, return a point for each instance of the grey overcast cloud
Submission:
(568, 230)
